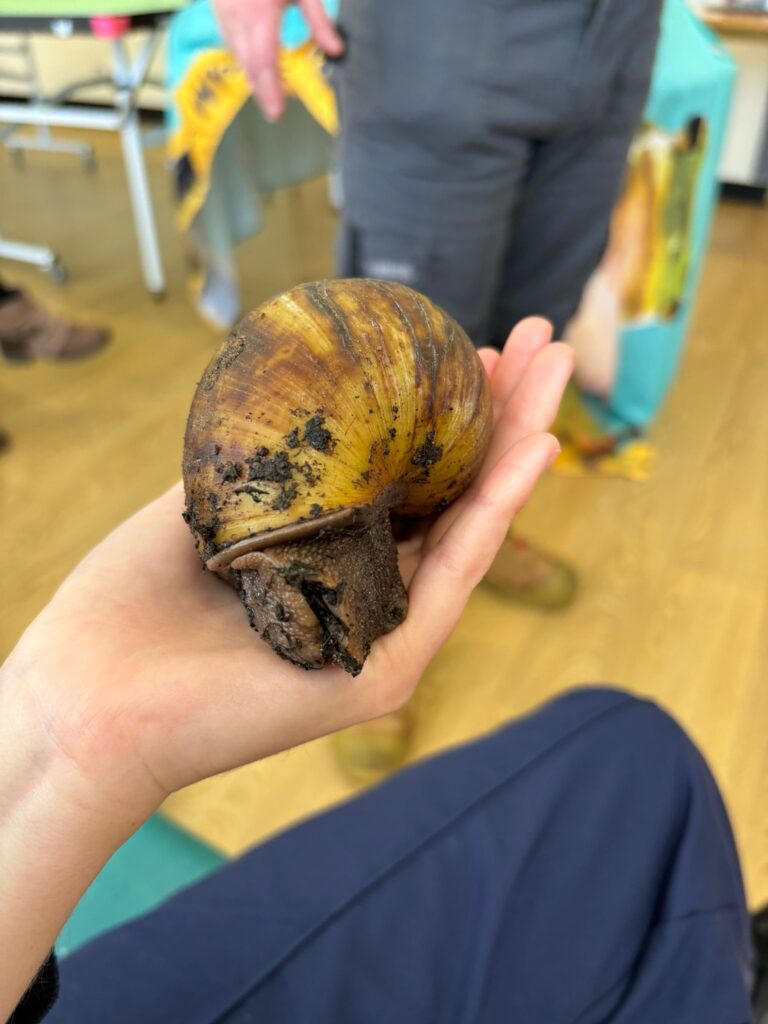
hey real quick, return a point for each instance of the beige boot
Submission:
(28, 331)
(528, 575)
(373, 750)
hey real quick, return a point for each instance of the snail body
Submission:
(329, 409)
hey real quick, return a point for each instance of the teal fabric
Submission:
(693, 76)
(295, 31)
(156, 862)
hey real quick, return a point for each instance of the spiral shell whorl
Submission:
(399, 407)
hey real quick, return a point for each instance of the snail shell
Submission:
(329, 409)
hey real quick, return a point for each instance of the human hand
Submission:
(143, 673)
(251, 29)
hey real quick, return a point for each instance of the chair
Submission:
(42, 138)
(111, 20)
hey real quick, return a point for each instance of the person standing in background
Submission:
(483, 146)
(483, 142)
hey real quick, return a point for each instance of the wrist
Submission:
(39, 775)
(56, 833)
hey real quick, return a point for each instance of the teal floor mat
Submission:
(157, 861)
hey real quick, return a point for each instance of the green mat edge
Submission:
(156, 862)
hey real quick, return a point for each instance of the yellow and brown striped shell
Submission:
(329, 407)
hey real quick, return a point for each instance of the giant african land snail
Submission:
(330, 409)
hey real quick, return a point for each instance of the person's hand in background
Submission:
(251, 29)
(142, 675)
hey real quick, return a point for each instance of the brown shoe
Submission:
(373, 750)
(28, 331)
(528, 575)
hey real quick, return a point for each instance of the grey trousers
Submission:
(484, 144)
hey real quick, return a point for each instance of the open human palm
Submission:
(148, 677)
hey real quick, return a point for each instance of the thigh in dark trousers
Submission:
(575, 867)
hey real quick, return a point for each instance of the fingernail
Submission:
(553, 456)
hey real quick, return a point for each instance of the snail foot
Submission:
(326, 598)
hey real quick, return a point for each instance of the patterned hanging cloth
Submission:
(630, 329)
(224, 154)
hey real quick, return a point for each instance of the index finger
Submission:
(259, 57)
(526, 339)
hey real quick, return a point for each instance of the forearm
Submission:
(53, 842)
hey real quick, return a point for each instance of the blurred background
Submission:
(156, 203)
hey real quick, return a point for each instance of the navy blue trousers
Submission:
(575, 866)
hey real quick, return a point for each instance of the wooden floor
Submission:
(674, 596)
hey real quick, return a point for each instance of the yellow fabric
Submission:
(302, 74)
(650, 246)
(633, 462)
(590, 450)
(212, 94)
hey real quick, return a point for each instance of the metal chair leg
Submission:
(128, 76)
(141, 201)
(37, 255)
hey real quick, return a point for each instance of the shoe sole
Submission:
(15, 353)
(18, 354)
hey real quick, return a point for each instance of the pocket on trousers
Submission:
(390, 256)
